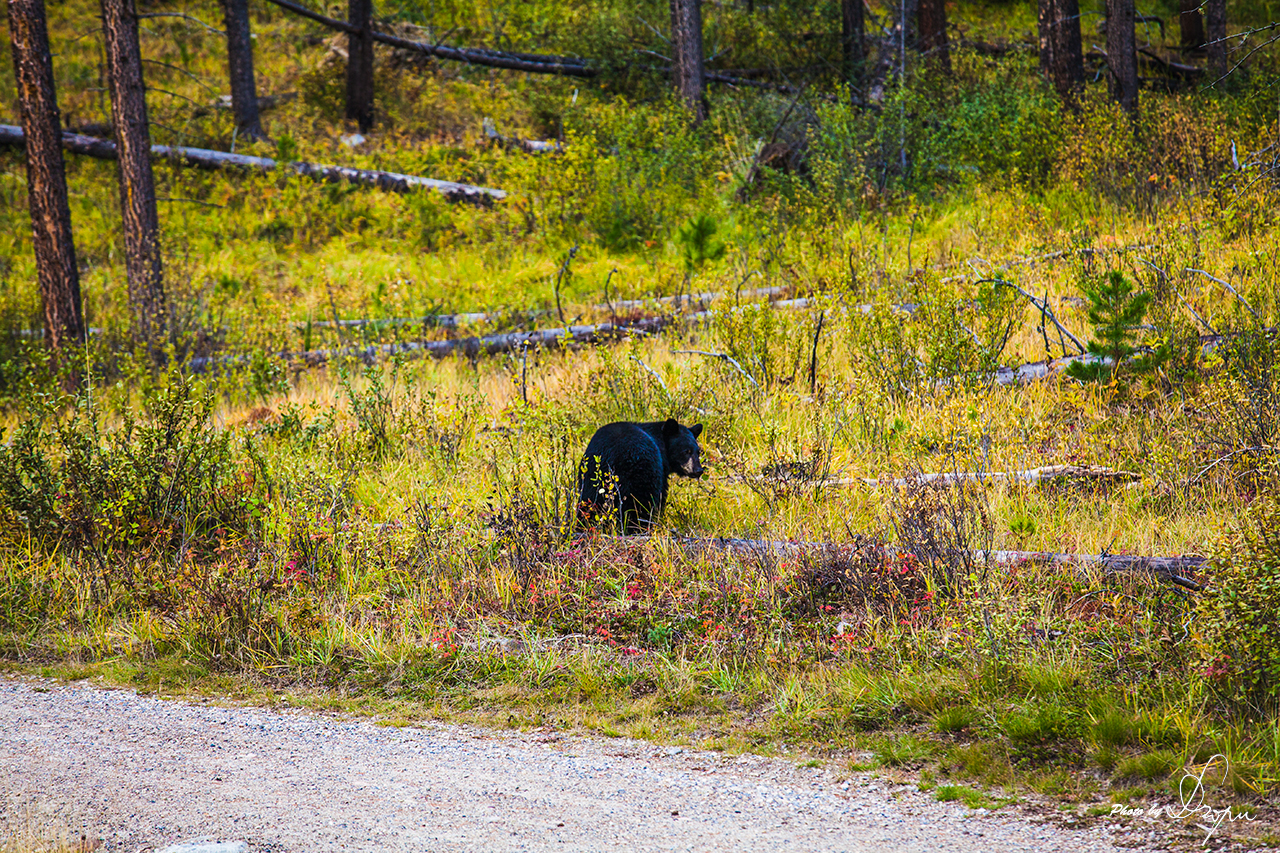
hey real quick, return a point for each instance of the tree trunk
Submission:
(1061, 57)
(1216, 21)
(1122, 55)
(932, 28)
(852, 35)
(1191, 24)
(244, 94)
(46, 181)
(137, 184)
(1046, 13)
(360, 64)
(686, 37)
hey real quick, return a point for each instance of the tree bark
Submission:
(1122, 55)
(852, 35)
(1061, 55)
(1191, 24)
(137, 183)
(932, 29)
(46, 179)
(203, 158)
(244, 93)
(360, 64)
(1216, 24)
(686, 38)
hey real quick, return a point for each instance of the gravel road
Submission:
(142, 773)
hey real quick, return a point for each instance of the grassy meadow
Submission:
(397, 537)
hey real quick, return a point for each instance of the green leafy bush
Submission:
(1237, 631)
(156, 480)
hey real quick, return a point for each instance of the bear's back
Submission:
(629, 447)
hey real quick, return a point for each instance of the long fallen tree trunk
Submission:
(1172, 569)
(1042, 474)
(204, 158)
(471, 347)
(531, 63)
(454, 321)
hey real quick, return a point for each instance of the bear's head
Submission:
(682, 448)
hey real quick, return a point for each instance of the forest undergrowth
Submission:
(398, 537)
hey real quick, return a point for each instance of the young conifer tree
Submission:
(1115, 312)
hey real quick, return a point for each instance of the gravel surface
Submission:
(143, 773)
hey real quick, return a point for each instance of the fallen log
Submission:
(470, 347)
(454, 321)
(1042, 474)
(204, 158)
(1172, 569)
(532, 63)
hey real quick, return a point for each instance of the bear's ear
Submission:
(671, 427)
(696, 429)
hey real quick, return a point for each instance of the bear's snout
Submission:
(692, 469)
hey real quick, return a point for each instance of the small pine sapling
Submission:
(698, 237)
(1116, 312)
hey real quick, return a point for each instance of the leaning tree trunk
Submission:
(137, 184)
(1122, 55)
(1216, 23)
(360, 64)
(852, 35)
(244, 94)
(46, 180)
(686, 37)
(1191, 25)
(932, 29)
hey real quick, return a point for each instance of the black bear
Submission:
(622, 478)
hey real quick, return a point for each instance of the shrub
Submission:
(153, 481)
(1237, 632)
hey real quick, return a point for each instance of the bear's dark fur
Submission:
(622, 479)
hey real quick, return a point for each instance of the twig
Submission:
(612, 314)
(1230, 288)
(813, 359)
(172, 67)
(190, 201)
(1164, 275)
(564, 269)
(185, 17)
(1226, 456)
(723, 357)
(1045, 310)
(654, 374)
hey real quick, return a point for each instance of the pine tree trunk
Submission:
(1046, 12)
(686, 37)
(360, 64)
(1216, 24)
(1122, 55)
(932, 27)
(46, 179)
(137, 184)
(852, 35)
(1191, 24)
(244, 94)
(1061, 55)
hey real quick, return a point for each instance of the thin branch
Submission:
(1164, 275)
(1230, 288)
(723, 357)
(184, 17)
(181, 71)
(1043, 306)
(654, 374)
